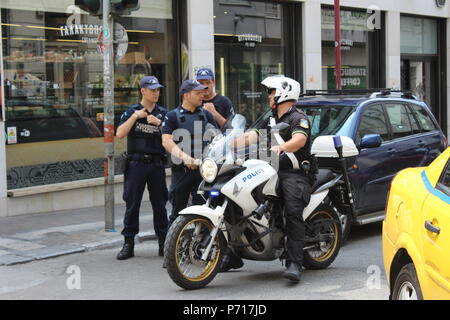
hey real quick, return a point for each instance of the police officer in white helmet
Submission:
(297, 177)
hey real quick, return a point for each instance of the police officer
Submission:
(141, 123)
(186, 118)
(220, 106)
(296, 179)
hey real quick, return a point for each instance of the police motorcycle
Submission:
(244, 211)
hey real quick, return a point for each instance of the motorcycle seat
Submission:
(322, 177)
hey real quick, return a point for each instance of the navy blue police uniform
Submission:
(145, 155)
(185, 182)
(295, 183)
(223, 105)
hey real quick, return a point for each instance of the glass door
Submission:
(420, 76)
(249, 46)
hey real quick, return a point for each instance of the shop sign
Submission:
(350, 20)
(353, 77)
(250, 40)
(346, 44)
(81, 30)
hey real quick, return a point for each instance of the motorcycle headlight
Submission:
(208, 170)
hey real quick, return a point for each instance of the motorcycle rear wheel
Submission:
(182, 252)
(326, 252)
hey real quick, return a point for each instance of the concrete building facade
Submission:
(49, 52)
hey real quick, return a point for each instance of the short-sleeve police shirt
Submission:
(144, 138)
(223, 105)
(299, 124)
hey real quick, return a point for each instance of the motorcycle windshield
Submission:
(220, 149)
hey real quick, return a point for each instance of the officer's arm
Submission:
(219, 119)
(297, 142)
(248, 138)
(124, 129)
(172, 148)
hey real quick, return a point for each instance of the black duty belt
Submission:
(145, 158)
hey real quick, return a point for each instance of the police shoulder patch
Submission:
(304, 123)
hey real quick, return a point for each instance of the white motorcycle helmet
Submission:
(286, 88)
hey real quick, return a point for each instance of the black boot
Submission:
(293, 271)
(230, 261)
(161, 240)
(127, 250)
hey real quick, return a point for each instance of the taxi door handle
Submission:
(430, 227)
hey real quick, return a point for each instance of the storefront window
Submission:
(420, 60)
(418, 35)
(53, 84)
(360, 51)
(249, 46)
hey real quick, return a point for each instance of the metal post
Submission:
(108, 98)
(337, 44)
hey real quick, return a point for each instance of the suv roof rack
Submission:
(336, 92)
(374, 93)
(405, 94)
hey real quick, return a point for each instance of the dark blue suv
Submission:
(392, 130)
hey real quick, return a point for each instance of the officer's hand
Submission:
(153, 120)
(140, 114)
(191, 163)
(209, 107)
(277, 149)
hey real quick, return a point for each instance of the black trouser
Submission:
(138, 175)
(295, 190)
(185, 182)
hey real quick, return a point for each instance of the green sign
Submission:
(353, 77)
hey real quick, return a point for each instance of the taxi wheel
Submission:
(406, 286)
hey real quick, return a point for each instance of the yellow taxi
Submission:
(416, 232)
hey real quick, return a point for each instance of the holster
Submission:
(124, 163)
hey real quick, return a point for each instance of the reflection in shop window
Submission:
(358, 50)
(249, 46)
(53, 86)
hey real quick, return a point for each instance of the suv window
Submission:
(326, 119)
(373, 121)
(424, 118)
(414, 124)
(399, 120)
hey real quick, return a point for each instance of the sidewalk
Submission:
(46, 235)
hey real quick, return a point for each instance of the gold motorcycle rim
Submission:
(197, 270)
(321, 255)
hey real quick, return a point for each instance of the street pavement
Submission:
(41, 236)
(357, 273)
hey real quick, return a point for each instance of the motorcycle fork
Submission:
(209, 240)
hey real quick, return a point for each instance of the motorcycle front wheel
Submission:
(183, 250)
(326, 225)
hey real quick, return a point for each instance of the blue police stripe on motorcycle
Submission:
(433, 190)
(253, 174)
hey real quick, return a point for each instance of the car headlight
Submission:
(208, 170)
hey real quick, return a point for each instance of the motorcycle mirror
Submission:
(228, 123)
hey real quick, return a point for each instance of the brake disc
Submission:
(195, 253)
